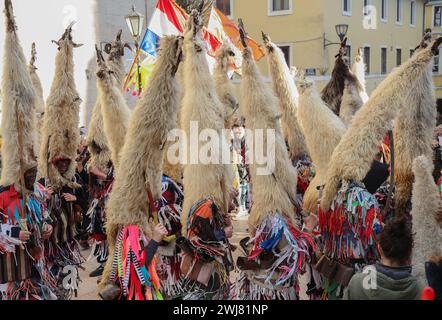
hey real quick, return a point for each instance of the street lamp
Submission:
(135, 22)
(341, 31)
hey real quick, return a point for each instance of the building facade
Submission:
(433, 20)
(388, 30)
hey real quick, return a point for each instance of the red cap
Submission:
(428, 294)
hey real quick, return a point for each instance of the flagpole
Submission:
(132, 68)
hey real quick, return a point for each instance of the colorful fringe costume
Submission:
(280, 251)
(99, 191)
(25, 274)
(208, 254)
(349, 231)
(137, 280)
(169, 209)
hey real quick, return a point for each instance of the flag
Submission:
(167, 19)
(229, 28)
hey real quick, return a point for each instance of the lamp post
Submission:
(135, 22)
(341, 31)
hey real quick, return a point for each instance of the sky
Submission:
(41, 21)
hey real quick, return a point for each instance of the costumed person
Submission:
(39, 100)
(207, 260)
(413, 133)
(24, 219)
(334, 90)
(277, 251)
(57, 161)
(350, 217)
(323, 130)
(426, 205)
(169, 209)
(131, 272)
(101, 175)
(101, 169)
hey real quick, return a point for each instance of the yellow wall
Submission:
(306, 22)
(311, 19)
(388, 34)
(429, 14)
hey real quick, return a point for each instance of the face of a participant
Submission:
(237, 132)
(30, 177)
(63, 166)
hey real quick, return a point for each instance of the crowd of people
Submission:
(352, 204)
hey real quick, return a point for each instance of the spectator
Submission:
(389, 279)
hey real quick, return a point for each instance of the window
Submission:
(436, 63)
(346, 7)
(384, 8)
(348, 53)
(280, 7)
(411, 52)
(367, 9)
(367, 59)
(398, 57)
(399, 11)
(286, 49)
(383, 60)
(412, 12)
(225, 6)
(437, 20)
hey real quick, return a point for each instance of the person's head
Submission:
(238, 132)
(62, 165)
(30, 176)
(396, 243)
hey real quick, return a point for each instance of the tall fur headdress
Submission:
(61, 137)
(115, 61)
(358, 70)
(224, 88)
(38, 88)
(323, 130)
(114, 108)
(354, 155)
(413, 133)
(277, 190)
(97, 140)
(285, 90)
(426, 206)
(18, 109)
(333, 91)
